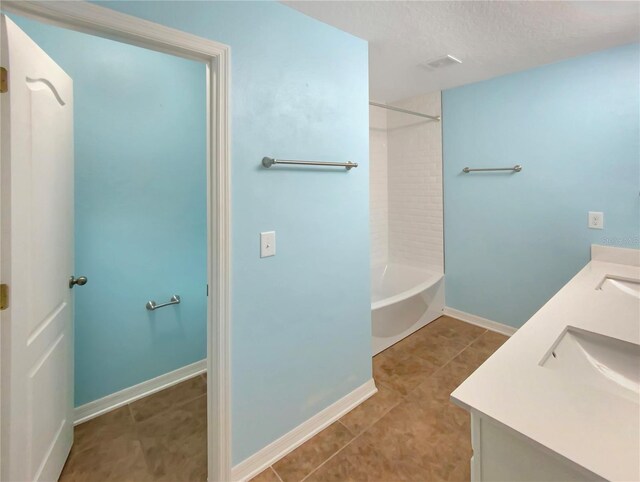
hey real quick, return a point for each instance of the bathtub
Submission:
(403, 300)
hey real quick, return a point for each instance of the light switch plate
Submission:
(267, 244)
(596, 220)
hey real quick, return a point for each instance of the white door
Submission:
(37, 260)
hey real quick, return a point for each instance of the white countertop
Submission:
(593, 428)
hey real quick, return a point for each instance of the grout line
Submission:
(384, 414)
(135, 425)
(351, 441)
(173, 406)
(445, 364)
(376, 420)
(403, 397)
(356, 437)
(353, 437)
(130, 411)
(332, 456)
(276, 472)
(347, 428)
(147, 462)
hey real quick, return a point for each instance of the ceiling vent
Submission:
(440, 62)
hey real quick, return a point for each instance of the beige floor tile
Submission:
(338, 469)
(175, 442)
(357, 462)
(371, 410)
(472, 358)
(453, 329)
(437, 388)
(110, 432)
(98, 463)
(460, 473)
(405, 432)
(489, 342)
(401, 372)
(169, 398)
(267, 475)
(430, 346)
(456, 371)
(185, 467)
(429, 436)
(410, 431)
(303, 460)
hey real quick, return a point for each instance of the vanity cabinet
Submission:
(501, 454)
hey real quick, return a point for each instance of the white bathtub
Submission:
(403, 300)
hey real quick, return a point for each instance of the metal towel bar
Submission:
(268, 162)
(516, 168)
(152, 305)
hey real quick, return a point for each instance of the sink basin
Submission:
(629, 286)
(597, 360)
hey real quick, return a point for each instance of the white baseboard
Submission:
(273, 452)
(116, 400)
(479, 321)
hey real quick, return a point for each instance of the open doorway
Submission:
(150, 215)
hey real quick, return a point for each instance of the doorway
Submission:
(214, 251)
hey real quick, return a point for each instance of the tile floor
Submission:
(408, 431)
(162, 437)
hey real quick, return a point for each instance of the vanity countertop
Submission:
(593, 428)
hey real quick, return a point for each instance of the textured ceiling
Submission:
(491, 38)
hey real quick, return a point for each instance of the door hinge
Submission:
(4, 296)
(4, 83)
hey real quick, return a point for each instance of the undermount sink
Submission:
(597, 360)
(629, 286)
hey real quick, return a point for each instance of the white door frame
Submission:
(107, 23)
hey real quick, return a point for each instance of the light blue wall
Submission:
(140, 232)
(301, 329)
(512, 240)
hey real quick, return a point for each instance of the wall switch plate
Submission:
(267, 244)
(596, 220)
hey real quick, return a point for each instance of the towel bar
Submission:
(268, 162)
(516, 168)
(152, 305)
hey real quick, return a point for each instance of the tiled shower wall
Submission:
(411, 206)
(379, 200)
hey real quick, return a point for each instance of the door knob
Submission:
(80, 281)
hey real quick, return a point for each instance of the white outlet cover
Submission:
(267, 244)
(596, 220)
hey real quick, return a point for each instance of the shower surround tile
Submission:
(416, 225)
(405, 185)
(378, 195)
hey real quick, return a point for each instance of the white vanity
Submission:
(560, 400)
